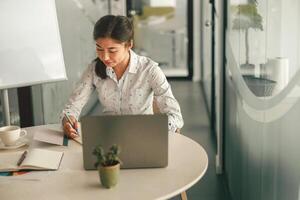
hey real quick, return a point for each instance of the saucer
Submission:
(19, 143)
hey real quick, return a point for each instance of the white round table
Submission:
(188, 162)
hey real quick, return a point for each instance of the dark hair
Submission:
(119, 28)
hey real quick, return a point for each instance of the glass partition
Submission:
(161, 33)
(264, 36)
(262, 140)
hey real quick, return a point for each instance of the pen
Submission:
(73, 125)
(23, 156)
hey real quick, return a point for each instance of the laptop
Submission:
(143, 139)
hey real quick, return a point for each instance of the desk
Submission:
(188, 162)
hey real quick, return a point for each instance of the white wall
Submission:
(155, 3)
(290, 33)
(197, 40)
(76, 21)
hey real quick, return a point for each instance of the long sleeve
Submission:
(165, 99)
(80, 94)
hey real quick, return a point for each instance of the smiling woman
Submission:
(126, 83)
(114, 54)
(113, 44)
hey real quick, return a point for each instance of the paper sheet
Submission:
(53, 134)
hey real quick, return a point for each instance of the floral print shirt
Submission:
(141, 84)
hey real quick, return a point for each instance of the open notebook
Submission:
(35, 159)
(53, 134)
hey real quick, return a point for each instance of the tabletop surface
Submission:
(188, 162)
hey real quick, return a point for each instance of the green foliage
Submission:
(109, 158)
(247, 16)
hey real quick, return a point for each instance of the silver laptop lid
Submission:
(143, 139)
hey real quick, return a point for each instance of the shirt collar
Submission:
(132, 66)
(133, 62)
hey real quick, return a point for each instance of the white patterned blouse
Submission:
(142, 82)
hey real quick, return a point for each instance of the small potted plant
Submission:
(108, 165)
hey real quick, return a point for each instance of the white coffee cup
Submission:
(9, 135)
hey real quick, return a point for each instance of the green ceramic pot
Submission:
(109, 175)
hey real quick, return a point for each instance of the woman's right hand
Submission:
(70, 131)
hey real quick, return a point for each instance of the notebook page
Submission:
(42, 159)
(78, 139)
(8, 161)
(52, 134)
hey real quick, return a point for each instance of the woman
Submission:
(126, 82)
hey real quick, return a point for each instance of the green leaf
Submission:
(109, 158)
(247, 16)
